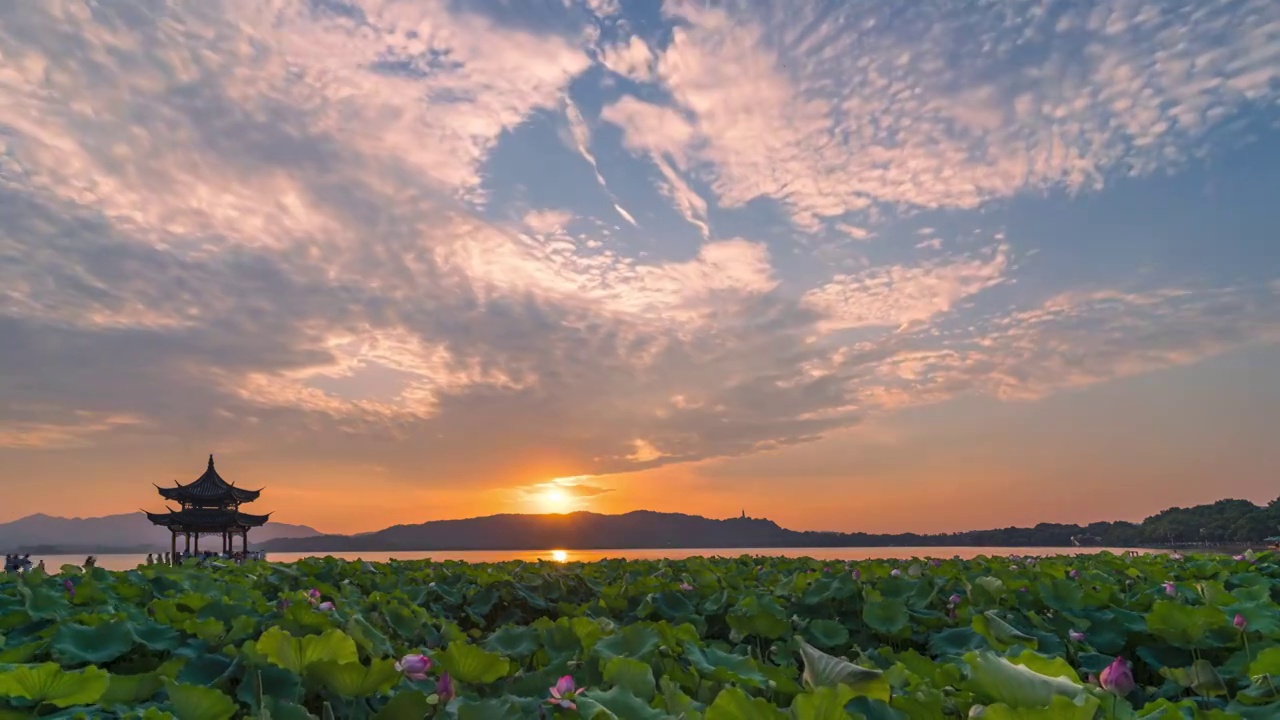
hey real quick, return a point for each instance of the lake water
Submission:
(128, 562)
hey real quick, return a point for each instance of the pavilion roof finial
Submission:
(211, 460)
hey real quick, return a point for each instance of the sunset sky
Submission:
(861, 265)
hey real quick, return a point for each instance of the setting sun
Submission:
(554, 500)
(560, 556)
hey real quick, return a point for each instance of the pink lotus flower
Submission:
(1239, 622)
(935, 562)
(313, 595)
(1075, 636)
(686, 586)
(1170, 589)
(857, 574)
(1117, 677)
(563, 692)
(1074, 574)
(70, 587)
(444, 688)
(1237, 558)
(414, 667)
(955, 599)
(895, 572)
(325, 606)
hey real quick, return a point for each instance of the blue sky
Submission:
(648, 254)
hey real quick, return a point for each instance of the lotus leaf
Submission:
(48, 683)
(470, 664)
(354, 679)
(191, 702)
(297, 654)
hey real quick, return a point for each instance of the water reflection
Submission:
(128, 562)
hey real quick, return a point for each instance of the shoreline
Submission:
(1211, 548)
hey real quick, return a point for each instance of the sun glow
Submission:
(559, 556)
(554, 500)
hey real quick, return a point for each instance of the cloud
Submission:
(60, 436)
(829, 111)
(900, 295)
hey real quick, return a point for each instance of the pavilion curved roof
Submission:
(208, 488)
(206, 519)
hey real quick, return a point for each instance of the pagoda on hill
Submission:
(210, 506)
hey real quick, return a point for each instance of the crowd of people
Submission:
(203, 557)
(19, 562)
(15, 563)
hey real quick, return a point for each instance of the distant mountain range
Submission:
(1223, 522)
(42, 534)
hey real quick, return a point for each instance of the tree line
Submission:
(1222, 522)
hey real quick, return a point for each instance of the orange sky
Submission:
(1074, 458)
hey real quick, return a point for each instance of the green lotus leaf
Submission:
(888, 616)
(1184, 625)
(823, 670)
(1083, 707)
(405, 705)
(999, 633)
(192, 702)
(822, 703)
(995, 679)
(1200, 677)
(74, 644)
(48, 683)
(519, 641)
(761, 617)
(866, 708)
(296, 654)
(495, 708)
(133, 689)
(724, 667)
(675, 701)
(44, 603)
(638, 641)
(469, 664)
(634, 675)
(734, 704)
(827, 634)
(1046, 665)
(354, 679)
(616, 704)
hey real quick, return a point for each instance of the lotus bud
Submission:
(444, 688)
(1170, 589)
(326, 606)
(1075, 636)
(857, 574)
(686, 586)
(414, 667)
(1240, 622)
(955, 599)
(1074, 573)
(1117, 678)
(895, 572)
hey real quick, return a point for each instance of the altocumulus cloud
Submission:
(282, 222)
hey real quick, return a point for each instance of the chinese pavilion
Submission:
(210, 506)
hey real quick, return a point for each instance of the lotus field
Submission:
(1068, 638)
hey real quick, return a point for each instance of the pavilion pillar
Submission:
(226, 538)
(188, 549)
(244, 541)
(197, 543)
(173, 544)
